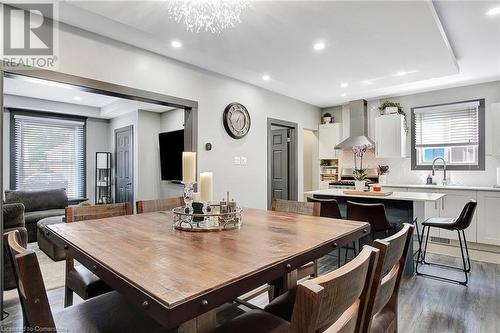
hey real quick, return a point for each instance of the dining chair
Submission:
(102, 314)
(78, 278)
(334, 302)
(382, 307)
(149, 206)
(459, 224)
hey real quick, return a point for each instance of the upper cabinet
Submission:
(390, 136)
(329, 136)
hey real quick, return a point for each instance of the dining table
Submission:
(180, 278)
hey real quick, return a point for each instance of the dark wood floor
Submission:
(425, 305)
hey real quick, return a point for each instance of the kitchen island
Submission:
(401, 207)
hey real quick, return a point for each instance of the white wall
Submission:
(400, 168)
(92, 56)
(171, 121)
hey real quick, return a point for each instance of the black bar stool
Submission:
(459, 224)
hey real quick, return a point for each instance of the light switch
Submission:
(243, 160)
(237, 160)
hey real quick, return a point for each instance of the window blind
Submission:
(48, 154)
(449, 125)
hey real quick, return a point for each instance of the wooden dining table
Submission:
(179, 278)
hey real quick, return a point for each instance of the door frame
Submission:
(292, 157)
(124, 129)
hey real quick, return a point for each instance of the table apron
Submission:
(172, 317)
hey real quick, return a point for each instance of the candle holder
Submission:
(188, 197)
(224, 220)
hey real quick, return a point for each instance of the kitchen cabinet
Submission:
(390, 136)
(431, 209)
(488, 213)
(329, 135)
(451, 206)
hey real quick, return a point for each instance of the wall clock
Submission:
(236, 120)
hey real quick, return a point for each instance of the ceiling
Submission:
(368, 45)
(108, 106)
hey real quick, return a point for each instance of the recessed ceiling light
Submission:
(319, 46)
(176, 44)
(266, 77)
(344, 85)
(77, 98)
(403, 73)
(493, 11)
(344, 95)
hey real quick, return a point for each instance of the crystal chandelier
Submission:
(206, 15)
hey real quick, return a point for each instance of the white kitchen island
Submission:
(401, 207)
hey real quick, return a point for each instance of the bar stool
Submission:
(330, 208)
(459, 224)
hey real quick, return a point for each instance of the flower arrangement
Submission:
(359, 151)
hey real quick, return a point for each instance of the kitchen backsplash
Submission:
(400, 171)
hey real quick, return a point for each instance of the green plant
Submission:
(324, 163)
(388, 103)
(359, 174)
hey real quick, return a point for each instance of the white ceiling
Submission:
(370, 40)
(108, 106)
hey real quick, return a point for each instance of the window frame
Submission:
(481, 146)
(43, 114)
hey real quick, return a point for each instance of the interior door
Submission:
(124, 171)
(279, 164)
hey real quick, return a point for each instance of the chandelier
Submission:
(206, 15)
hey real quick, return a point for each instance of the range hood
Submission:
(358, 126)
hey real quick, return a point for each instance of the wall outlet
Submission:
(243, 160)
(237, 160)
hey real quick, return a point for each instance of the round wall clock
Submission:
(236, 120)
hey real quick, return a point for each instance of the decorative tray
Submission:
(214, 220)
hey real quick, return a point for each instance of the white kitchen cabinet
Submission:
(390, 136)
(328, 137)
(394, 189)
(451, 206)
(431, 209)
(488, 213)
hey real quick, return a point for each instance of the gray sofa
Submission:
(38, 205)
(13, 219)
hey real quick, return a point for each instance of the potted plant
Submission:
(327, 118)
(388, 107)
(359, 172)
(383, 170)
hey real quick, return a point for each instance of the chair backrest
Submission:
(336, 301)
(329, 207)
(298, 207)
(30, 287)
(149, 206)
(371, 213)
(388, 274)
(465, 218)
(94, 212)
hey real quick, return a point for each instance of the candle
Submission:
(188, 167)
(196, 197)
(206, 184)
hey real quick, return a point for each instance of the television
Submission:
(171, 148)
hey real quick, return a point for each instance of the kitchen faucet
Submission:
(444, 168)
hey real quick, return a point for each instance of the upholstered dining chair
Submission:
(335, 302)
(149, 206)
(102, 314)
(382, 307)
(78, 278)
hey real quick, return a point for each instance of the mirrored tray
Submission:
(212, 221)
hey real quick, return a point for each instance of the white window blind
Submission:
(49, 153)
(446, 126)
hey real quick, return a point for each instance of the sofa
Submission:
(38, 204)
(13, 219)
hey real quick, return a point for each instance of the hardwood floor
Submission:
(425, 305)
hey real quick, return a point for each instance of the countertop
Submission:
(447, 187)
(405, 196)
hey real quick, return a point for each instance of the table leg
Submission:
(290, 280)
(202, 324)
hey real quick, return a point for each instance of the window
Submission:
(454, 132)
(48, 152)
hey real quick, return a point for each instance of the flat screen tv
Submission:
(171, 148)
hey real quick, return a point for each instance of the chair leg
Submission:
(426, 242)
(466, 251)
(463, 259)
(270, 293)
(338, 258)
(68, 297)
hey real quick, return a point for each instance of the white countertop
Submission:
(405, 196)
(446, 187)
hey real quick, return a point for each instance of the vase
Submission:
(359, 185)
(327, 120)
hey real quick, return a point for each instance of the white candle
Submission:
(188, 167)
(206, 184)
(196, 197)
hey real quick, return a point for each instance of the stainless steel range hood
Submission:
(358, 126)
